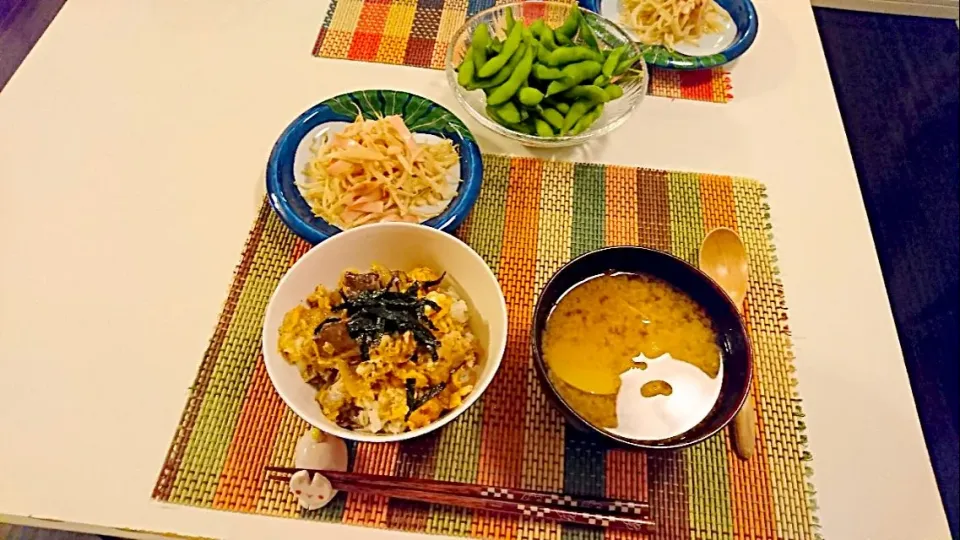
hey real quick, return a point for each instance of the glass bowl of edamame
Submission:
(546, 74)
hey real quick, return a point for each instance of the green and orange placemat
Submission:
(417, 32)
(531, 217)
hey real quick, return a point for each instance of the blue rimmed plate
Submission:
(423, 117)
(711, 51)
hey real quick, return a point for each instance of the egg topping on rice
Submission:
(388, 351)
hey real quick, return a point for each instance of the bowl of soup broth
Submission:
(641, 348)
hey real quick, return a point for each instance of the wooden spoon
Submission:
(724, 258)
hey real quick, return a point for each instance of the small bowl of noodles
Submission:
(373, 156)
(684, 34)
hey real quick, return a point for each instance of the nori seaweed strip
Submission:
(394, 282)
(373, 314)
(427, 284)
(328, 320)
(430, 393)
(427, 395)
(411, 395)
(424, 320)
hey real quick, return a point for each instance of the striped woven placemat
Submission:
(417, 32)
(531, 217)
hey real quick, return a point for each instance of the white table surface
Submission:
(132, 147)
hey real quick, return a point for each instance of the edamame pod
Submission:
(543, 128)
(542, 54)
(492, 114)
(509, 113)
(536, 28)
(526, 34)
(563, 107)
(613, 91)
(567, 55)
(532, 43)
(587, 120)
(508, 16)
(502, 75)
(553, 117)
(510, 46)
(588, 92)
(601, 80)
(506, 90)
(569, 27)
(559, 85)
(466, 71)
(547, 39)
(479, 57)
(478, 45)
(610, 64)
(581, 71)
(530, 96)
(577, 110)
(624, 65)
(546, 73)
(523, 127)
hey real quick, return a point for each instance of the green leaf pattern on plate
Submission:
(391, 103)
(419, 114)
(342, 105)
(658, 55)
(600, 29)
(713, 60)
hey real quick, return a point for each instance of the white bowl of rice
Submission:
(363, 398)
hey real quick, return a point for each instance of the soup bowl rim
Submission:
(698, 433)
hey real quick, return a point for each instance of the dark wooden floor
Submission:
(897, 81)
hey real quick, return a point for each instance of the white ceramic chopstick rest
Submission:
(311, 493)
(317, 450)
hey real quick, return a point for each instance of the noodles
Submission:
(668, 22)
(375, 171)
